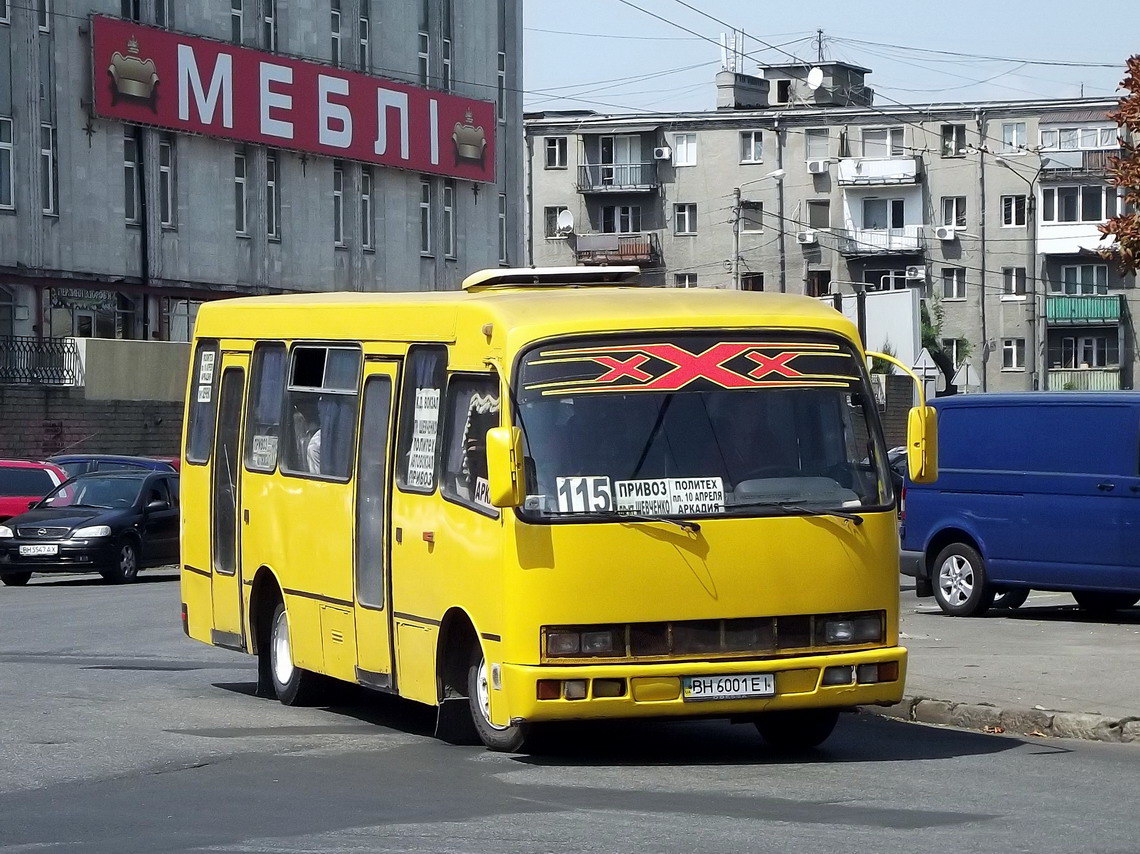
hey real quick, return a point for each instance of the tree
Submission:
(932, 316)
(1125, 172)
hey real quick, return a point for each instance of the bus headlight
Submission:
(584, 641)
(866, 628)
(563, 643)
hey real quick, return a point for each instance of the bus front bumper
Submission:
(655, 690)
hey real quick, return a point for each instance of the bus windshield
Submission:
(699, 425)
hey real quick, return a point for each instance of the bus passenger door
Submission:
(371, 560)
(225, 546)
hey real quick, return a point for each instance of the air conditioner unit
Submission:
(818, 167)
(805, 237)
(916, 273)
(945, 232)
(663, 152)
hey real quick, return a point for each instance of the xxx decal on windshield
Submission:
(661, 366)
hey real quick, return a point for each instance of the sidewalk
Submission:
(1046, 668)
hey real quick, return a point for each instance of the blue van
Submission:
(1034, 490)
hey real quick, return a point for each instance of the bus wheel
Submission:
(960, 586)
(15, 579)
(796, 730)
(293, 686)
(1103, 604)
(506, 739)
(1012, 598)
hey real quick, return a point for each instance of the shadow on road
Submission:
(1050, 614)
(96, 580)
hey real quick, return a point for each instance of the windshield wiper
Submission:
(614, 516)
(795, 508)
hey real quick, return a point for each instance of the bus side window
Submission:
(320, 412)
(472, 410)
(420, 399)
(266, 392)
(203, 403)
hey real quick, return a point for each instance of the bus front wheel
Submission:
(796, 730)
(505, 739)
(293, 686)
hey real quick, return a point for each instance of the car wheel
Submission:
(293, 685)
(798, 730)
(126, 566)
(506, 739)
(1102, 604)
(1011, 599)
(15, 579)
(960, 585)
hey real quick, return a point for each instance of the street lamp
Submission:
(776, 175)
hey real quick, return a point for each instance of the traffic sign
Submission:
(925, 364)
(966, 376)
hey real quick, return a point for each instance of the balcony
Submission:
(25, 359)
(617, 178)
(879, 241)
(1084, 379)
(1099, 310)
(642, 249)
(878, 171)
(1076, 164)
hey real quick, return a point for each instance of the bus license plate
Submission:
(737, 686)
(30, 551)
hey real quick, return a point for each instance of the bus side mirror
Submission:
(505, 466)
(922, 444)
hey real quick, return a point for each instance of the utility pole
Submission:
(736, 238)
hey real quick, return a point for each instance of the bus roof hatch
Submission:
(543, 277)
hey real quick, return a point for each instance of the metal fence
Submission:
(617, 176)
(25, 359)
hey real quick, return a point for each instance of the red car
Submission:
(24, 481)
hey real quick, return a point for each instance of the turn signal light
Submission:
(185, 620)
(549, 689)
(868, 674)
(843, 674)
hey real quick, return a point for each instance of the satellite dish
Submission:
(565, 222)
(815, 78)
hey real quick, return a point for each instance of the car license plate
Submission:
(32, 551)
(736, 686)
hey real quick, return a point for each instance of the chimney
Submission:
(735, 91)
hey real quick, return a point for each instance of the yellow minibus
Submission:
(552, 496)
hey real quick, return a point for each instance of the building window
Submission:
(751, 217)
(550, 221)
(44, 15)
(882, 214)
(366, 226)
(817, 141)
(752, 282)
(555, 152)
(448, 80)
(882, 142)
(819, 214)
(1092, 203)
(783, 91)
(1013, 283)
(501, 91)
(751, 146)
(1086, 351)
(338, 206)
(161, 13)
(241, 226)
(955, 348)
(424, 62)
(818, 283)
(129, 9)
(365, 33)
(449, 235)
(684, 280)
(503, 253)
(621, 219)
(166, 180)
(685, 219)
(954, 211)
(272, 197)
(1013, 137)
(425, 216)
(953, 140)
(1078, 138)
(237, 20)
(885, 280)
(953, 283)
(685, 149)
(131, 172)
(7, 179)
(1013, 210)
(5, 18)
(335, 31)
(1013, 354)
(1082, 279)
(49, 174)
(269, 24)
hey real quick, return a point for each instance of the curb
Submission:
(1039, 723)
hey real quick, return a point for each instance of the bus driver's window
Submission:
(473, 409)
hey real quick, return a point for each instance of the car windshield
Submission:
(95, 491)
(699, 424)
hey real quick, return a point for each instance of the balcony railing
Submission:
(617, 177)
(1070, 164)
(1074, 310)
(26, 359)
(618, 249)
(877, 171)
(1084, 379)
(879, 241)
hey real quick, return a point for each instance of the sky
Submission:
(610, 57)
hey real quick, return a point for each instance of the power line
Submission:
(1050, 62)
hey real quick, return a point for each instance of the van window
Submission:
(320, 407)
(203, 403)
(472, 410)
(266, 390)
(420, 400)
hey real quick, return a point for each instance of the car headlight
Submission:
(93, 531)
(5, 531)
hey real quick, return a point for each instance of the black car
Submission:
(113, 523)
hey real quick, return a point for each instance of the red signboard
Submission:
(151, 76)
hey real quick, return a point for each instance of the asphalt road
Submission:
(121, 735)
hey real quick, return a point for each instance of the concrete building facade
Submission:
(990, 209)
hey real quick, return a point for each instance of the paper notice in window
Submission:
(204, 393)
(670, 496)
(206, 367)
(264, 452)
(425, 427)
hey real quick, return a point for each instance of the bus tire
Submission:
(15, 579)
(293, 685)
(796, 730)
(1102, 604)
(504, 739)
(961, 588)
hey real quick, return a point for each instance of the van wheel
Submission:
(505, 739)
(1103, 604)
(15, 579)
(1011, 598)
(798, 730)
(293, 686)
(960, 586)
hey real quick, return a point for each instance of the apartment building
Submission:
(800, 182)
(154, 155)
